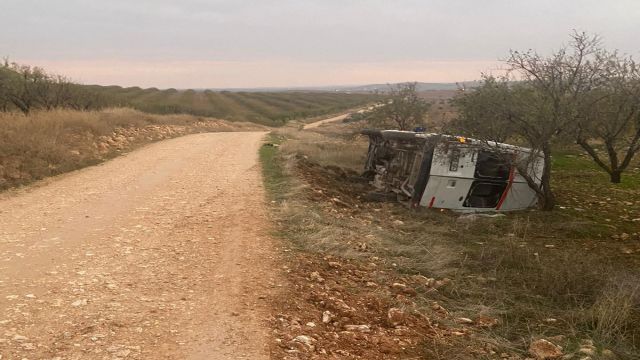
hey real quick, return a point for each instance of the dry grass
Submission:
(541, 274)
(49, 143)
(441, 112)
(616, 311)
(344, 150)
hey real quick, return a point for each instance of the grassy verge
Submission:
(570, 276)
(276, 181)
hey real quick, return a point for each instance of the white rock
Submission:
(307, 340)
(544, 349)
(360, 328)
(18, 337)
(396, 316)
(315, 276)
(587, 351)
(399, 286)
(79, 302)
(326, 317)
(122, 353)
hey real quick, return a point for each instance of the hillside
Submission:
(267, 108)
(384, 87)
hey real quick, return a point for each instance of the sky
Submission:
(293, 43)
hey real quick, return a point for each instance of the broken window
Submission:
(492, 166)
(484, 194)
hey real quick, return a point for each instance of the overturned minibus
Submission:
(449, 172)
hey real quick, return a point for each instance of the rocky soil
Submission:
(163, 253)
(355, 304)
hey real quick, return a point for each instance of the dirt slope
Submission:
(162, 253)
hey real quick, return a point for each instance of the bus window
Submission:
(492, 166)
(484, 194)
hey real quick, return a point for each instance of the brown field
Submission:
(441, 111)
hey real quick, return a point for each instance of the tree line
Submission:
(26, 88)
(581, 93)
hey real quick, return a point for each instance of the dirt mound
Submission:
(338, 185)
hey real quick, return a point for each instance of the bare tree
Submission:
(559, 85)
(541, 101)
(500, 110)
(483, 113)
(611, 117)
(404, 108)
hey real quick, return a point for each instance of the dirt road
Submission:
(161, 253)
(329, 120)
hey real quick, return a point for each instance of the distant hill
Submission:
(264, 107)
(421, 86)
(370, 88)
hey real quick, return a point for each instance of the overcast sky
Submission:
(262, 43)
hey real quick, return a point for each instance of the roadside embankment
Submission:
(49, 143)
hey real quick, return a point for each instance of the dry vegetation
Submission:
(441, 111)
(48, 143)
(493, 285)
(25, 89)
(267, 108)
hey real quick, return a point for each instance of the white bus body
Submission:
(449, 172)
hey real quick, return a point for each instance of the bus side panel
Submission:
(446, 192)
(442, 161)
(535, 171)
(520, 196)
